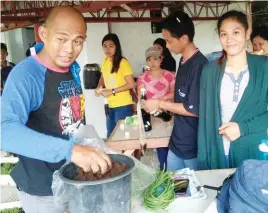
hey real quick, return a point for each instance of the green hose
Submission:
(161, 193)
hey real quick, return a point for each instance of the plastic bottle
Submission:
(164, 115)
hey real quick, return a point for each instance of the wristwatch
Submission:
(113, 91)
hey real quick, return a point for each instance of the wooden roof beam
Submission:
(96, 6)
(13, 26)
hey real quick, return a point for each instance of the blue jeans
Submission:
(162, 153)
(116, 114)
(175, 163)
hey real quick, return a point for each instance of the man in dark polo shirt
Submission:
(178, 31)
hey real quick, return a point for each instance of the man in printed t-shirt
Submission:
(43, 104)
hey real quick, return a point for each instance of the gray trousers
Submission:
(39, 204)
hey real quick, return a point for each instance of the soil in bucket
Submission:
(98, 196)
(115, 170)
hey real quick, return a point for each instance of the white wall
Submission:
(135, 38)
(14, 42)
(3, 36)
(4, 39)
(92, 53)
(17, 42)
(28, 35)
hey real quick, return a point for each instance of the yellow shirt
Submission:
(115, 80)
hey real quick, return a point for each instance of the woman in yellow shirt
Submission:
(117, 78)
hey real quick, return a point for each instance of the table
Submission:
(157, 137)
(206, 177)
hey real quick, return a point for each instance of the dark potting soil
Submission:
(115, 170)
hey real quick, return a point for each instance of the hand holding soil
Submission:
(91, 159)
(116, 169)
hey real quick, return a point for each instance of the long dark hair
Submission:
(163, 44)
(118, 51)
(232, 14)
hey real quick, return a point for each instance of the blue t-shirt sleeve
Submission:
(23, 94)
(192, 102)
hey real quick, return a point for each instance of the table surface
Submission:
(206, 177)
(157, 137)
(160, 129)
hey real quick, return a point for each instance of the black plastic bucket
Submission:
(92, 74)
(112, 195)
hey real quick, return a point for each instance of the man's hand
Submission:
(151, 105)
(230, 130)
(90, 159)
(106, 93)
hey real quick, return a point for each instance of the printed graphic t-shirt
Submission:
(56, 109)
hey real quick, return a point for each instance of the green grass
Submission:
(6, 168)
(15, 210)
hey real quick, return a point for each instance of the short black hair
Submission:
(178, 24)
(261, 31)
(4, 47)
